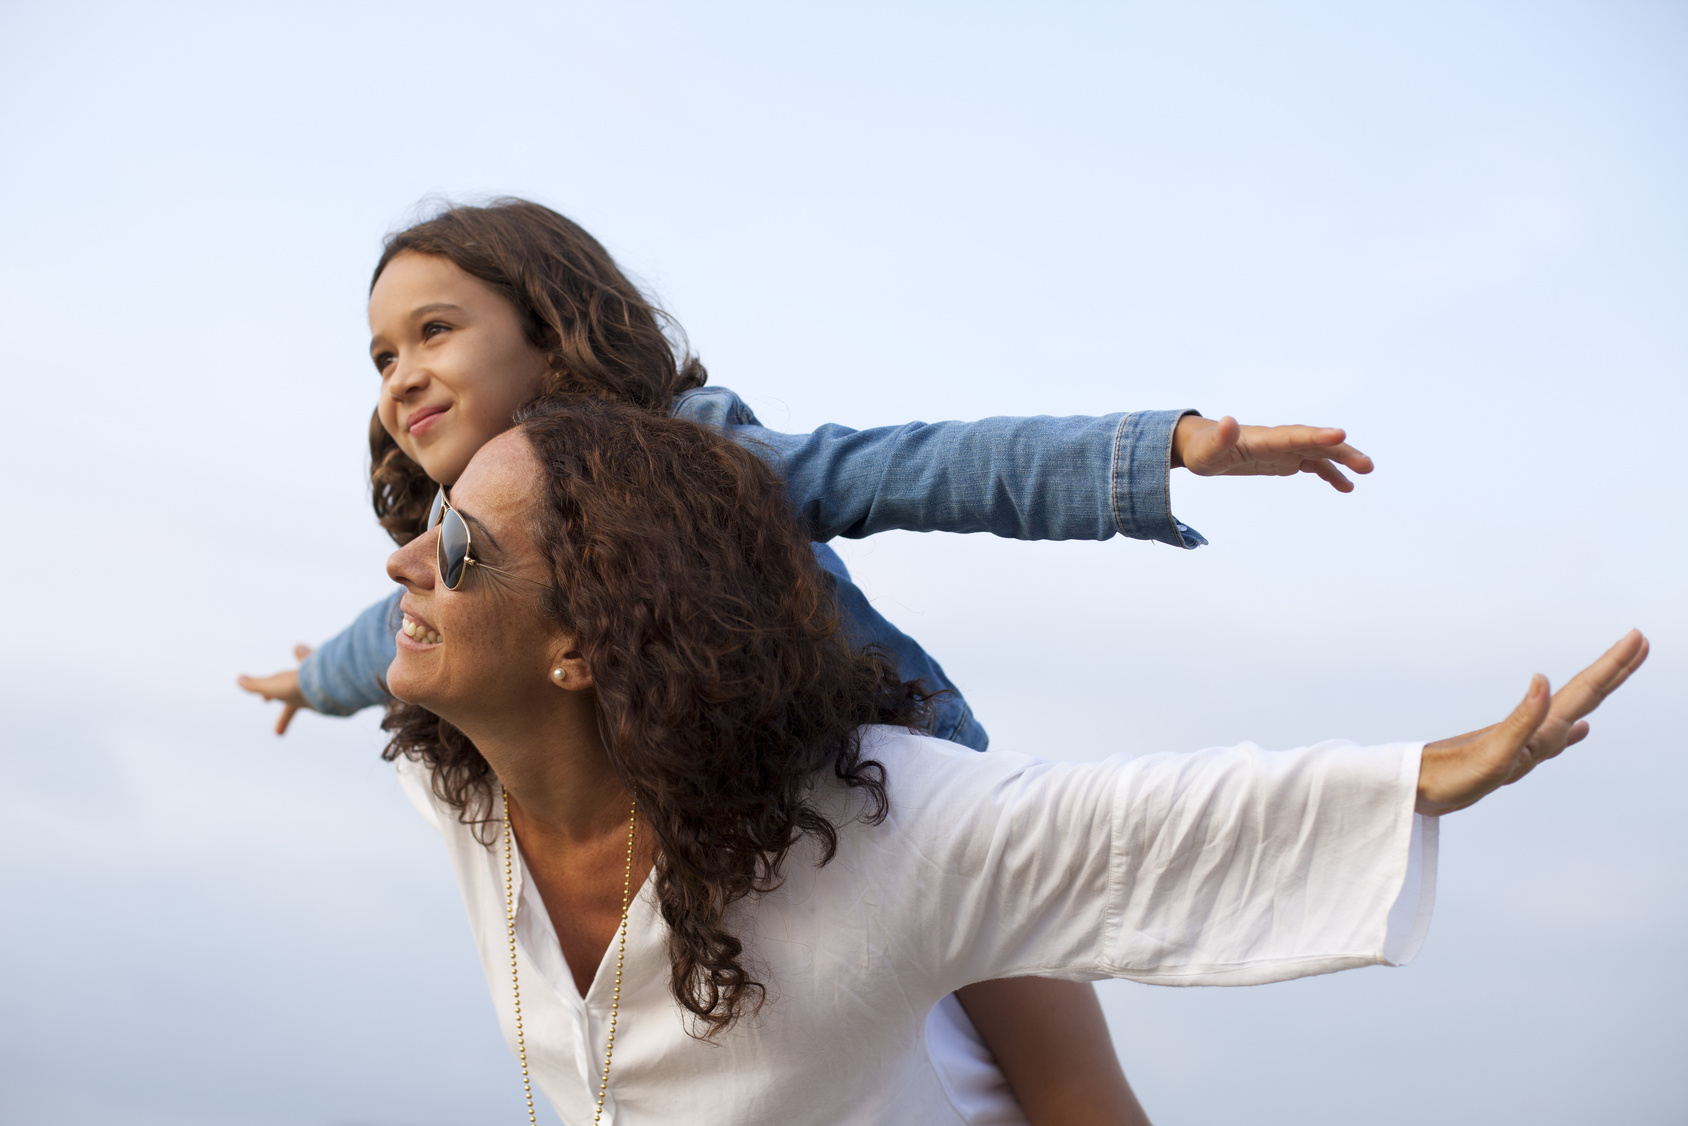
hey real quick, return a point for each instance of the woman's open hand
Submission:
(1456, 772)
(283, 686)
(1227, 449)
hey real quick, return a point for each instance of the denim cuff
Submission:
(310, 687)
(348, 672)
(1141, 473)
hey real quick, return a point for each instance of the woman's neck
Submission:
(555, 769)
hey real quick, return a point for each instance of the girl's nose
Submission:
(406, 378)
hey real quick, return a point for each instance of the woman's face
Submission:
(453, 359)
(486, 648)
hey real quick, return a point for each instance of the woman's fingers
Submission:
(1585, 691)
(1511, 733)
(1453, 773)
(1564, 725)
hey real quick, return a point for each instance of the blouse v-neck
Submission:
(536, 937)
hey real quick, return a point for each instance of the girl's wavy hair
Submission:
(600, 335)
(723, 685)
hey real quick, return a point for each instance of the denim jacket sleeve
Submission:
(349, 673)
(1027, 478)
(1037, 478)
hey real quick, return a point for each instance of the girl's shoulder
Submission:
(713, 406)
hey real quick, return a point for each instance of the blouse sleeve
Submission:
(416, 787)
(1232, 866)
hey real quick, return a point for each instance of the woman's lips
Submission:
(418, 633)
(424, 419)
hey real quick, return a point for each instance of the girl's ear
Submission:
(569, 671)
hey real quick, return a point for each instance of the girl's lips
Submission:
(425, 419)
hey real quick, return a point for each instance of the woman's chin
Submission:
(405, 685)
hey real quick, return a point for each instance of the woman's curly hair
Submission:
(600, 335)
(723, 685)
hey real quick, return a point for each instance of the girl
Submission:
(478, 310)
(704, 892)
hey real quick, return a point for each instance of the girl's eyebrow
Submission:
(437, 307)
(421, 311)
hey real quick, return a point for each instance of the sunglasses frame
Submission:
(436, 516)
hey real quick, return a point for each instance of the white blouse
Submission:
(1224, 867)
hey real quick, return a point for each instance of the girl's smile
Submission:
(421, 421)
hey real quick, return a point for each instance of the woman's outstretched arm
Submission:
(1048, 1036)
(1232, 866)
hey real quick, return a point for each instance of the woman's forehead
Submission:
(500, 483)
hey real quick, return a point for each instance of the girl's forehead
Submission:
(411, 278)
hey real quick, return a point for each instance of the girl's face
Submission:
(453, 359)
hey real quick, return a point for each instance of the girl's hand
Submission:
(1456, 772)
(283, 686)
(1214, 449)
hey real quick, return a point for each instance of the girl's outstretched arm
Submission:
(1052, 1044)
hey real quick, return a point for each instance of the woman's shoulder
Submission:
(924, 770)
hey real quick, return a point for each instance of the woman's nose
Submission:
(413, 564)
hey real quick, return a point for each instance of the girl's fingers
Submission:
(1315, 441)
(1352, 458)
(1329, 472)
(301, 651)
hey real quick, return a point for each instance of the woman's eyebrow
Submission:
(481, 528)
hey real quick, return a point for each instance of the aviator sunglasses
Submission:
(451, 550)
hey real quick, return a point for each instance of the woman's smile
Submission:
(418, 634)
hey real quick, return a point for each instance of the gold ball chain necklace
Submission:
(620, 957)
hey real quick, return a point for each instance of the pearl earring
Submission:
(557, 675)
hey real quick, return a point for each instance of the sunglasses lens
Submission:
(453, 550)
(435, 509)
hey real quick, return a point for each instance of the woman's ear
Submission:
(569, 671)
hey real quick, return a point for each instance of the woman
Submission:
(476, 310)
(715, 878)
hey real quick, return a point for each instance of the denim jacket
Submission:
(1078, 478)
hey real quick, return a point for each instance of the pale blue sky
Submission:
(1455, 229)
